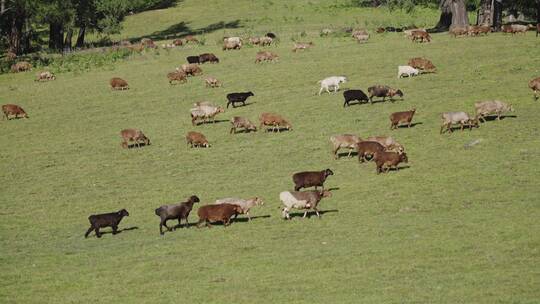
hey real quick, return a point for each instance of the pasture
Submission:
(456, 225)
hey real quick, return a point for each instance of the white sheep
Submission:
(301, 200)
(246, 205)
(205, 112)
(407, 70)
(331, 82)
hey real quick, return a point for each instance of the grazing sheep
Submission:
(217, 213)
(458, 31)
(205, 112)
(232, 39)
(254, 40)
(45, 76)
(348, 141)
(519, 28)
(134, 135)
(193, 59)
(190, 38)
(275, 121)
(389, 160)
(112, 220)
(212, 82)
(191, 69)
(534, 84)
(326, 32)
(485, 108)
(245, 205)
(178, 76)
(232, 45)
(21, 66)
(388, 143)
(234, 98)
(308, 179)
(399, 117)
(149, 43)
(409, 33)
(208, 57)
(12, 109)
(368, 148)
(301, 200)
(265, 41)
(383, 91)
(462, 118)
(266, 56)
(118, 84)
(196, 139)
(175, 211)
(178, 42)
(407, 70)
(361, 36)
(331, 82)
(420, 36)
(351, 95)
(241, 122)
(422, 64)
(476, 30)
(301, 46)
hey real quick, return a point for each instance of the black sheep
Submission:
(310, 179)
(193, 59)
(238, 97)
(351, 95)
(176, 211)
(105, 220)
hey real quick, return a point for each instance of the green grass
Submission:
(458, 226)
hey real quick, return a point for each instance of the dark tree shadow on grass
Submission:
(183, 29)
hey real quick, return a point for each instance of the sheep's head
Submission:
(404, 157)
(510, 108)
(399, 93)
(326, 193)
(123, 212)
(259, 201)
(194, 199)
(328, 172)
(250, 93)
(220, 110)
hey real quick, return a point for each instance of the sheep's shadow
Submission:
(275, 130)
(494, 117)
(201, 123)
(405, 126)
(311, 213)
(345, 155)
(133, 146)
(241, 105)
(243, 131)
(119, 230)
(245, 219)
(456, 128)
(397, 169)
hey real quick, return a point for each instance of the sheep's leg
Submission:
(442, 127)
(350, 151)
(165, 224)
(320, 91)
(336, 88)
(498, 115)
(88, 231)
(327, 91)
(114, 229)
(98, 234)
(305, 213)
(233, 129)
(247, 213)
(317, 212)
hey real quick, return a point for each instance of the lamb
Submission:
(112, 220)
(308, 179)
(193, 59)
(351, 95)
(421, 36)
(407, 70)
(191, 69)
(266, 56)
(234, 98)
(245, 205)
(196, 139)
(12, 109)
(241, 122)
(178, 76)
(348, 141)
(217, 213)
(422, 64)
(361, 37)
(208, 57)
(45, 76)
(175, 211)
(232, 45)
(274, 120)
(485, 108)
(388, 143)
(232, 40)
(212, 82)
(205, 112)
(534, 84)
(21, 66)
(301, 46)
(331, 82)
(383, 91)
(368, 148)
(450, 118)
(389, 159)
(399, 117)
(134, 135)
(301, 200)
(118, 84)
(265, 41)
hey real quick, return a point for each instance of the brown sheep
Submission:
(273, 120)
(458, 31)
(212, 82)
(306, 179)
(217, 213)
(254, 40)
(191, 69)
(266, 56)
(534, 84)
(301, 46)
(134, 135)
(11, 109)
(178, 76)
(21, 66)
(149, 43)
(344, 141)
(388, 143)
(365, 148)
(190, 38)
(178, 42)
(45, 76)
(421, 36)
(118, 84)
(423, 64)
(241, 122)
(196, 139)
(389, 159)
(399, 117)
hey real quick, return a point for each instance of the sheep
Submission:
(217, 213)
(204, 103)
(458, 31)
(244, 204)
(112, 220)
(208, 57)
(45, 76)
(21, 66)
(398, 117)
(149, 43)
(205, 112)
(407, 70)
(234, 98)
(476, 30)
(266, 56)
(344, 141)
(360, 35)
(232, 45)
(326, 32)
(178, 76)
(178, 42)
(118, 84)
(191, 69)
(409, 33)
(534, 85)
(12, 109)
(254, 40)
(265, 41)
(368, 148)
(389, 159)
(485, 108)
(274, 120)
(420, 35)
(519, 28)
(241, 122)
(175, 211)
(359, 32)
(232, 40)
(190, 38)
(331, 82)
(301, 200)
(193, 59)
(450, 118)
(212, 82)
(383, 91)
(301, 46)
(422, 64)
(271, 35)
(134, 135)
(351, 95)
(308, 179)
(196, 139)
(388, 143)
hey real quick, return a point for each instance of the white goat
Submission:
(407, 70)
(331, 82)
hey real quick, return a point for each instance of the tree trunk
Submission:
(484, 16)
(459, 13)
(446, 17)
(56, 36)
(15, 34)
(80, 37)
(538, 12)
(497, 15)
(2, 6)
(69, 37)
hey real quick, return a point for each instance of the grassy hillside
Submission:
(457, 226)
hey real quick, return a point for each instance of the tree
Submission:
(453, 14)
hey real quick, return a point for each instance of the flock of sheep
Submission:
(384, 151)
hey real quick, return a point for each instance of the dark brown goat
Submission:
(134, 135)
(389, 159)
(365, 148)
(12, 109)
(175, 211)
(98, 221)
(308, 179)
(399, 117)
(217, 213)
